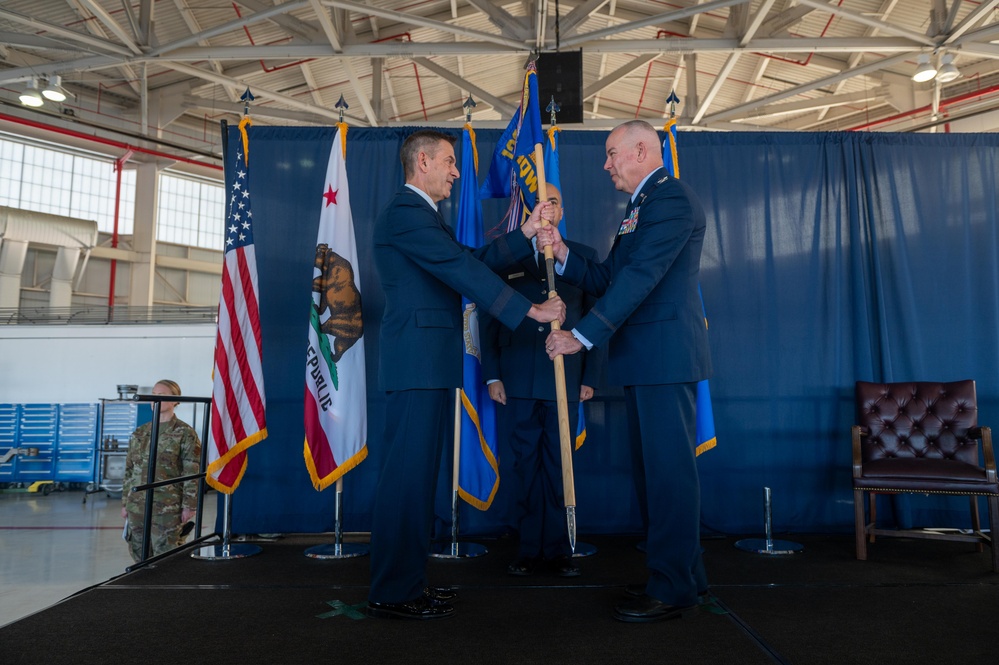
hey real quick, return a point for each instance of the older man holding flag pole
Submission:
(649, 315)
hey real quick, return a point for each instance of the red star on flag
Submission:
(330, 195)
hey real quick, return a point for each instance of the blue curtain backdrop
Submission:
(829, 258)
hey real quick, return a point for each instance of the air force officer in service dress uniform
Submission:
(521, 378)
(650, 317)
(423, 272)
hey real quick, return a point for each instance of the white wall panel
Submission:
(85, 363)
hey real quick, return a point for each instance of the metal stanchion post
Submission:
(454, 549)
(768, 546)
(226, 550)
(337, 549)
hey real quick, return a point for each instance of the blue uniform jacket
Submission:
(518, 358)
(649, 313)
(423, 271)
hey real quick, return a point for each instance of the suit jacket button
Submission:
(544, 292)
(541, 328)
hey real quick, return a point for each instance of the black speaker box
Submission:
(560, 75)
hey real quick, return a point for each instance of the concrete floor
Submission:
(53, 546)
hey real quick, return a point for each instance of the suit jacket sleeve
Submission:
(594, 359)
(489, 347)
(418, 233)
(504, 252)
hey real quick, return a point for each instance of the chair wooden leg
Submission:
(994, 530)
(976, 524)
(873, 497)
(860, 523)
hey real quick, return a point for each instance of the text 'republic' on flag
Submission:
(335, 384)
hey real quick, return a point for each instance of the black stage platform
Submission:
(914, 601)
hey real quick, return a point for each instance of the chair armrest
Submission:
(856, 433)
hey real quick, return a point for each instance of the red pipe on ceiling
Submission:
(944, 103)
(119, 166)
(103, 141)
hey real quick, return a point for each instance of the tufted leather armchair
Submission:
(922, 437)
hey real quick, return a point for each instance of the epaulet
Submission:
(663, 179)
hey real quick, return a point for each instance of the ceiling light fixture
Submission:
(53, 91)
(924, 70)
(31, 96)
(948, 71)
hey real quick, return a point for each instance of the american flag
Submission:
(238, 400)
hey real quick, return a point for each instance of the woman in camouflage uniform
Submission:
(178, 453)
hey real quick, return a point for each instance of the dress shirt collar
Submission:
(422, 193)
(642, 184)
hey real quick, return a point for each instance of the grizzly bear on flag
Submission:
(339, 299)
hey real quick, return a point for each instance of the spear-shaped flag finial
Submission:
(341, 105)
(468, 106)
(553, 108)
(672, 100)
(247, 97)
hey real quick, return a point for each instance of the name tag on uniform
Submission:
(629, 224)
(515, 275)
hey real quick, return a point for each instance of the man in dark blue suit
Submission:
(649, 315)
(522, 378)
(423, 272)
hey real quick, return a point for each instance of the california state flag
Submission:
(336, 418)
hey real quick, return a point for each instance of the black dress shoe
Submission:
(645, 608)
(639, 590)
(635, 589)
(423, 607)
(564, 567)
(522, 566)
(442, 593)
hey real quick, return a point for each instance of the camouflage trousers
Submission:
(163, 537)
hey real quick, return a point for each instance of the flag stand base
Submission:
(584, 549)
(227, 549)
(337, 551)
(224, 551)
(768, 545)
(454, 550)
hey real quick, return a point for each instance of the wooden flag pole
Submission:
(562, 402)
